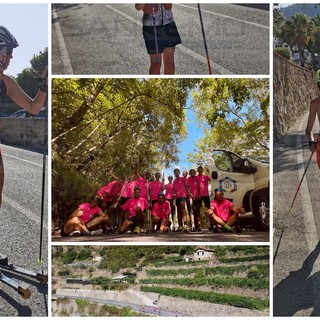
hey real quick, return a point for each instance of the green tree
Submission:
(235, 113)
(299, 31)
(29, 78)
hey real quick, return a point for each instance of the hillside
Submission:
(309, 10)
(184, 279)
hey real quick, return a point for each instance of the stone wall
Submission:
(28, 133)
(293, 90)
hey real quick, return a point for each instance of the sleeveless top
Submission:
(162, 17)
(3, 93)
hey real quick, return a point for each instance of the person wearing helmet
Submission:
(9, 87)
(313, 113)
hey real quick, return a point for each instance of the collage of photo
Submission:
(161, 141)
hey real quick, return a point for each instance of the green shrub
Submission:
(212, 297)
(284, 52)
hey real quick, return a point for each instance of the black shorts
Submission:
(134, 220)
(167, 37)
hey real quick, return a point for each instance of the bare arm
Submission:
(15, 92)
(314, 110)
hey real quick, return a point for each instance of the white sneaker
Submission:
(75, 234)
(96, 232)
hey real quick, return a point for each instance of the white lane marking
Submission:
(225, 16)
(62, 45)
(193, 54)
(29, 214)
(23, 160)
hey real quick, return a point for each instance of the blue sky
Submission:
(29, 25)
(194, 133)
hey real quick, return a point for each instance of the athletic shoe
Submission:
(75, 233)
(199, 229)
(179, 229)
(96, 232)
(136, 230)
(215, 229)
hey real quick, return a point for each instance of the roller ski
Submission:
(21, 288)
(43, 279)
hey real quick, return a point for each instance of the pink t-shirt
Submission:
(155, 188)
(144, 185)
(179, 187)
(112, 189)
(204, 184)
(128, 191)
(88, 213)
(161, 210)
(194, 186)
(222, 210)
(134, 203)
(169, 191)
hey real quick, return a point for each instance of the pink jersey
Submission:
(222, 210)
(169, 191)
(88, 213)
(204, 184)
(161, 210)
(144, 186)
(134, 203)
(194, 186)
(128, 191)
(155, 188)
(179, 187)
(112, 189)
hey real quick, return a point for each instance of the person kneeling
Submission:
(86, 220)
(223, 212)
(160, 214)
(136, 207)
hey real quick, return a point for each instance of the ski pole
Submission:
(155, 33)
(204, 39)
(305, 171)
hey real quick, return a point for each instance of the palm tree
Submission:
(299, 31)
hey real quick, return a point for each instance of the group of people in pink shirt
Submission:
(128, 202)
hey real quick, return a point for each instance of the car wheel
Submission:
(262, 214)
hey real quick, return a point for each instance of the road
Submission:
(150, 310)
(296, 271)
(106, 39)
(204, 236)
(20, 218)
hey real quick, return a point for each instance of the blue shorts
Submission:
(167, 37)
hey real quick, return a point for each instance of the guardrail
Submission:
(31, 133)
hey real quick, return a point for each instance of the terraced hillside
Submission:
(186, 280)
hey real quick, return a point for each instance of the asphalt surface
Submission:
(204, 236)
(150, 310)
(20, 217)
(296, 270)
(106, 39)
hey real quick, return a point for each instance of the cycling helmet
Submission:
(7, 41)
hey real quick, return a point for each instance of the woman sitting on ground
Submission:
(86, 220)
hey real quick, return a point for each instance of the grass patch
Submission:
(212, 297)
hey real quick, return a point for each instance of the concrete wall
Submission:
(28, 133)
(293, 90)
